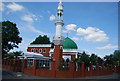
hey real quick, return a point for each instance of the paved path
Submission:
(8, 74)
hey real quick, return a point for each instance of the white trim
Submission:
(39, 45)
(69, 50)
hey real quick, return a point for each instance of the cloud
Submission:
(52, 17)
(64, 31)
(2, 6)
(81, 31)
(71, 27)
(29, 17)
(35, 30)
(75, 38)
(108, 46)
(15, 7)
(93, 34)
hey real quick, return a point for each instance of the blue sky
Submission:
(92, 25)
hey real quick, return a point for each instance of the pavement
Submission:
(8, 74)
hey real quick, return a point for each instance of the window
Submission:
(32, 50)
(36, 50)
(61, 47)
(44, 50)
(30, 63)
(43, 63)
(40, 50)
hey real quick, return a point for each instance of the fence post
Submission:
(91, 69)
(102, 67)
(24, 65)
(10, 64)
(82, 68)
(5, 63)
(15, 64)
(97, 67)
(35, 66)
(18, 64)
(53, 66)
(72, 69)
(115, 69)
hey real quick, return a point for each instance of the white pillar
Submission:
(58, 30)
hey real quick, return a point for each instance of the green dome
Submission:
(69, 44)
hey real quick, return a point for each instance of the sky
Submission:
(92, 25)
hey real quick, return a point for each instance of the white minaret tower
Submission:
(58, 39)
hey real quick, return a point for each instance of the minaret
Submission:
(58, 39)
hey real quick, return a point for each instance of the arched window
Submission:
(36, 50)
(40, 50)
(32, 50)
(61, 47)
(44, 50)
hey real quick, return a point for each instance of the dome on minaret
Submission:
(69, 44)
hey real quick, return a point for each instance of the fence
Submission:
(50, 68)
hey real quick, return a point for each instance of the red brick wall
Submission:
(45, 54)
(64, 74)
(57, 55)
(29, 70)
(55, 73)
(45, 72)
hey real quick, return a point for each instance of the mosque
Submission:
(65, 47)
(42, 60)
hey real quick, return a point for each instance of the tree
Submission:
(100, 60)
(116, 57)
(93, 59)
(12, 55)
(113, 59)
(85, 58)
(17, 53)
(10, 36)
(61, 65)
(108, 59)
(41, 40)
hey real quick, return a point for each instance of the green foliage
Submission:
(41, 40)
(93, 59)
(14, 54)
(99, 60)
(113, 59)
(10, 53)
(10, 36)
(17, 53)
(75, 60)
(85, 57)
(61, 65)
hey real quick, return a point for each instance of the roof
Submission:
(69, 44)
(39, 45)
